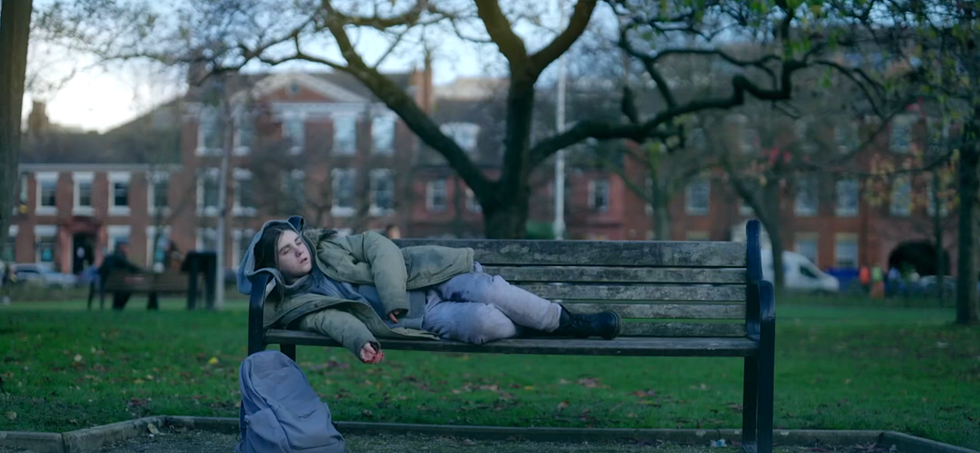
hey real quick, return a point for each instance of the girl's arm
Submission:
(387, 267)
(342, 327)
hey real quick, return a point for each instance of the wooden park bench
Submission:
(150, 283)
(653, 285)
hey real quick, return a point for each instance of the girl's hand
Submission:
(393, 316)
(371, 355)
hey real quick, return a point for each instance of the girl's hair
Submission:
(266, 250)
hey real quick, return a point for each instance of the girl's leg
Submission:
(469, 322)
(522, 307)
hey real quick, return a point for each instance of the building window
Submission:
(47, 187)
(383, 134)
(244, 200)
(472, 204)
(156, 247)
(294, 186)
(697, 140)
(209, 133)
(900, 138)
(806, 197)
(243, 239)
(938, 135)
(118, 234)
(846, 136)
(82, 193)
(901, 197)
(847, 198)
(697, 197)
(750, 140)
(23, 189)
(119, 193)
(10, 248)
(46, 238)
(846, 251)
(343, 182)
(344, 134)
(294, 131)
(931, 202)
(159, 193)
(801, 130)
(244, 133)
(599, 195)
(464, 134)
(207, 239)
(807, 245)
(435, 195)
(382, 192)
(207, 192)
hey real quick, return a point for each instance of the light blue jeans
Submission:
(477, 307)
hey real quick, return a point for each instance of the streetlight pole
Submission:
(558, 226)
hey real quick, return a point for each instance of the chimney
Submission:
(37, 120)
(421, 81)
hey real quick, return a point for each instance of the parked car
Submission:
(43, 276)
(800, 273)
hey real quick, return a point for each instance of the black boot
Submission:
(607, 324)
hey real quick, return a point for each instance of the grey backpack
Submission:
(281, 413)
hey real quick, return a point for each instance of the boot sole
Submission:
(619, 327)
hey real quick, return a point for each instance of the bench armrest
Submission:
(256, 306)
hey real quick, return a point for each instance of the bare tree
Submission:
(15, 26)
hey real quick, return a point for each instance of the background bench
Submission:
(153, 284)
(677, 298)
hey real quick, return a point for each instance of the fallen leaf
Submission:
(589, 383)
(138, 381)
(78, 357)
(152, 428)
(213, 361)
(12, 415)
(562, 405)
(847, 381)
(562, 381)
(528, 387)
(367, 413)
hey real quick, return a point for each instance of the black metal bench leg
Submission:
(289, 350)
(750, 406)
(766, 370)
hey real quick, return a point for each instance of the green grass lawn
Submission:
(837, 367)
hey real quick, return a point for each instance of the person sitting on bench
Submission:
(354, 288)
(117, 262)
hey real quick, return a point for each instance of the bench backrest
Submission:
(663, 289)
(165, 282)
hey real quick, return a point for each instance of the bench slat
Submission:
(682, 329)
(664, 311)
(637, 292)
(572, 274)
(597, 253)
(676, 347)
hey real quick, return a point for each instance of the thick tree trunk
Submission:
(507, 220)
(771, 222)
(15, 25)
(506, 216)
(937, 231)
(660, 201)
(967, 297)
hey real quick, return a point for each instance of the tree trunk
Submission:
(771, 222)
(507, 219)
(15, 26)
(937, 230)
(660, 202)
(967, 297)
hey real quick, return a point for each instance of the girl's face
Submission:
(293, 256)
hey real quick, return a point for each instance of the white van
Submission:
(800, 273)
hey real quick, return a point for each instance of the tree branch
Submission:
(500, 31)
(558, 46)
(408, 18)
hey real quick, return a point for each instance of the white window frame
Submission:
(466, 135)
(207, 116)
(804, 185)
(152, 178)
(199, 240)
(352, 148)
(237, 235)
(335, 176)
(377, 175)
(113, 232)
(385, 123)
(114, 177)
(808, 238)
(151, 232)
(430, 189)
(39, 179)
(206, 172)
(237, 210)
(850, 238)
(294, 175)
(847, 136)
(243, 117)
(296, 144)
(24, 186)
(894, 207)
(78, 178)
(594, 185)
(472, 205)
(839, 209)
(46, 231)
(690, 208)
(903, 121)
(12, 232)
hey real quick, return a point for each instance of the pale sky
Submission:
(95, 98)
